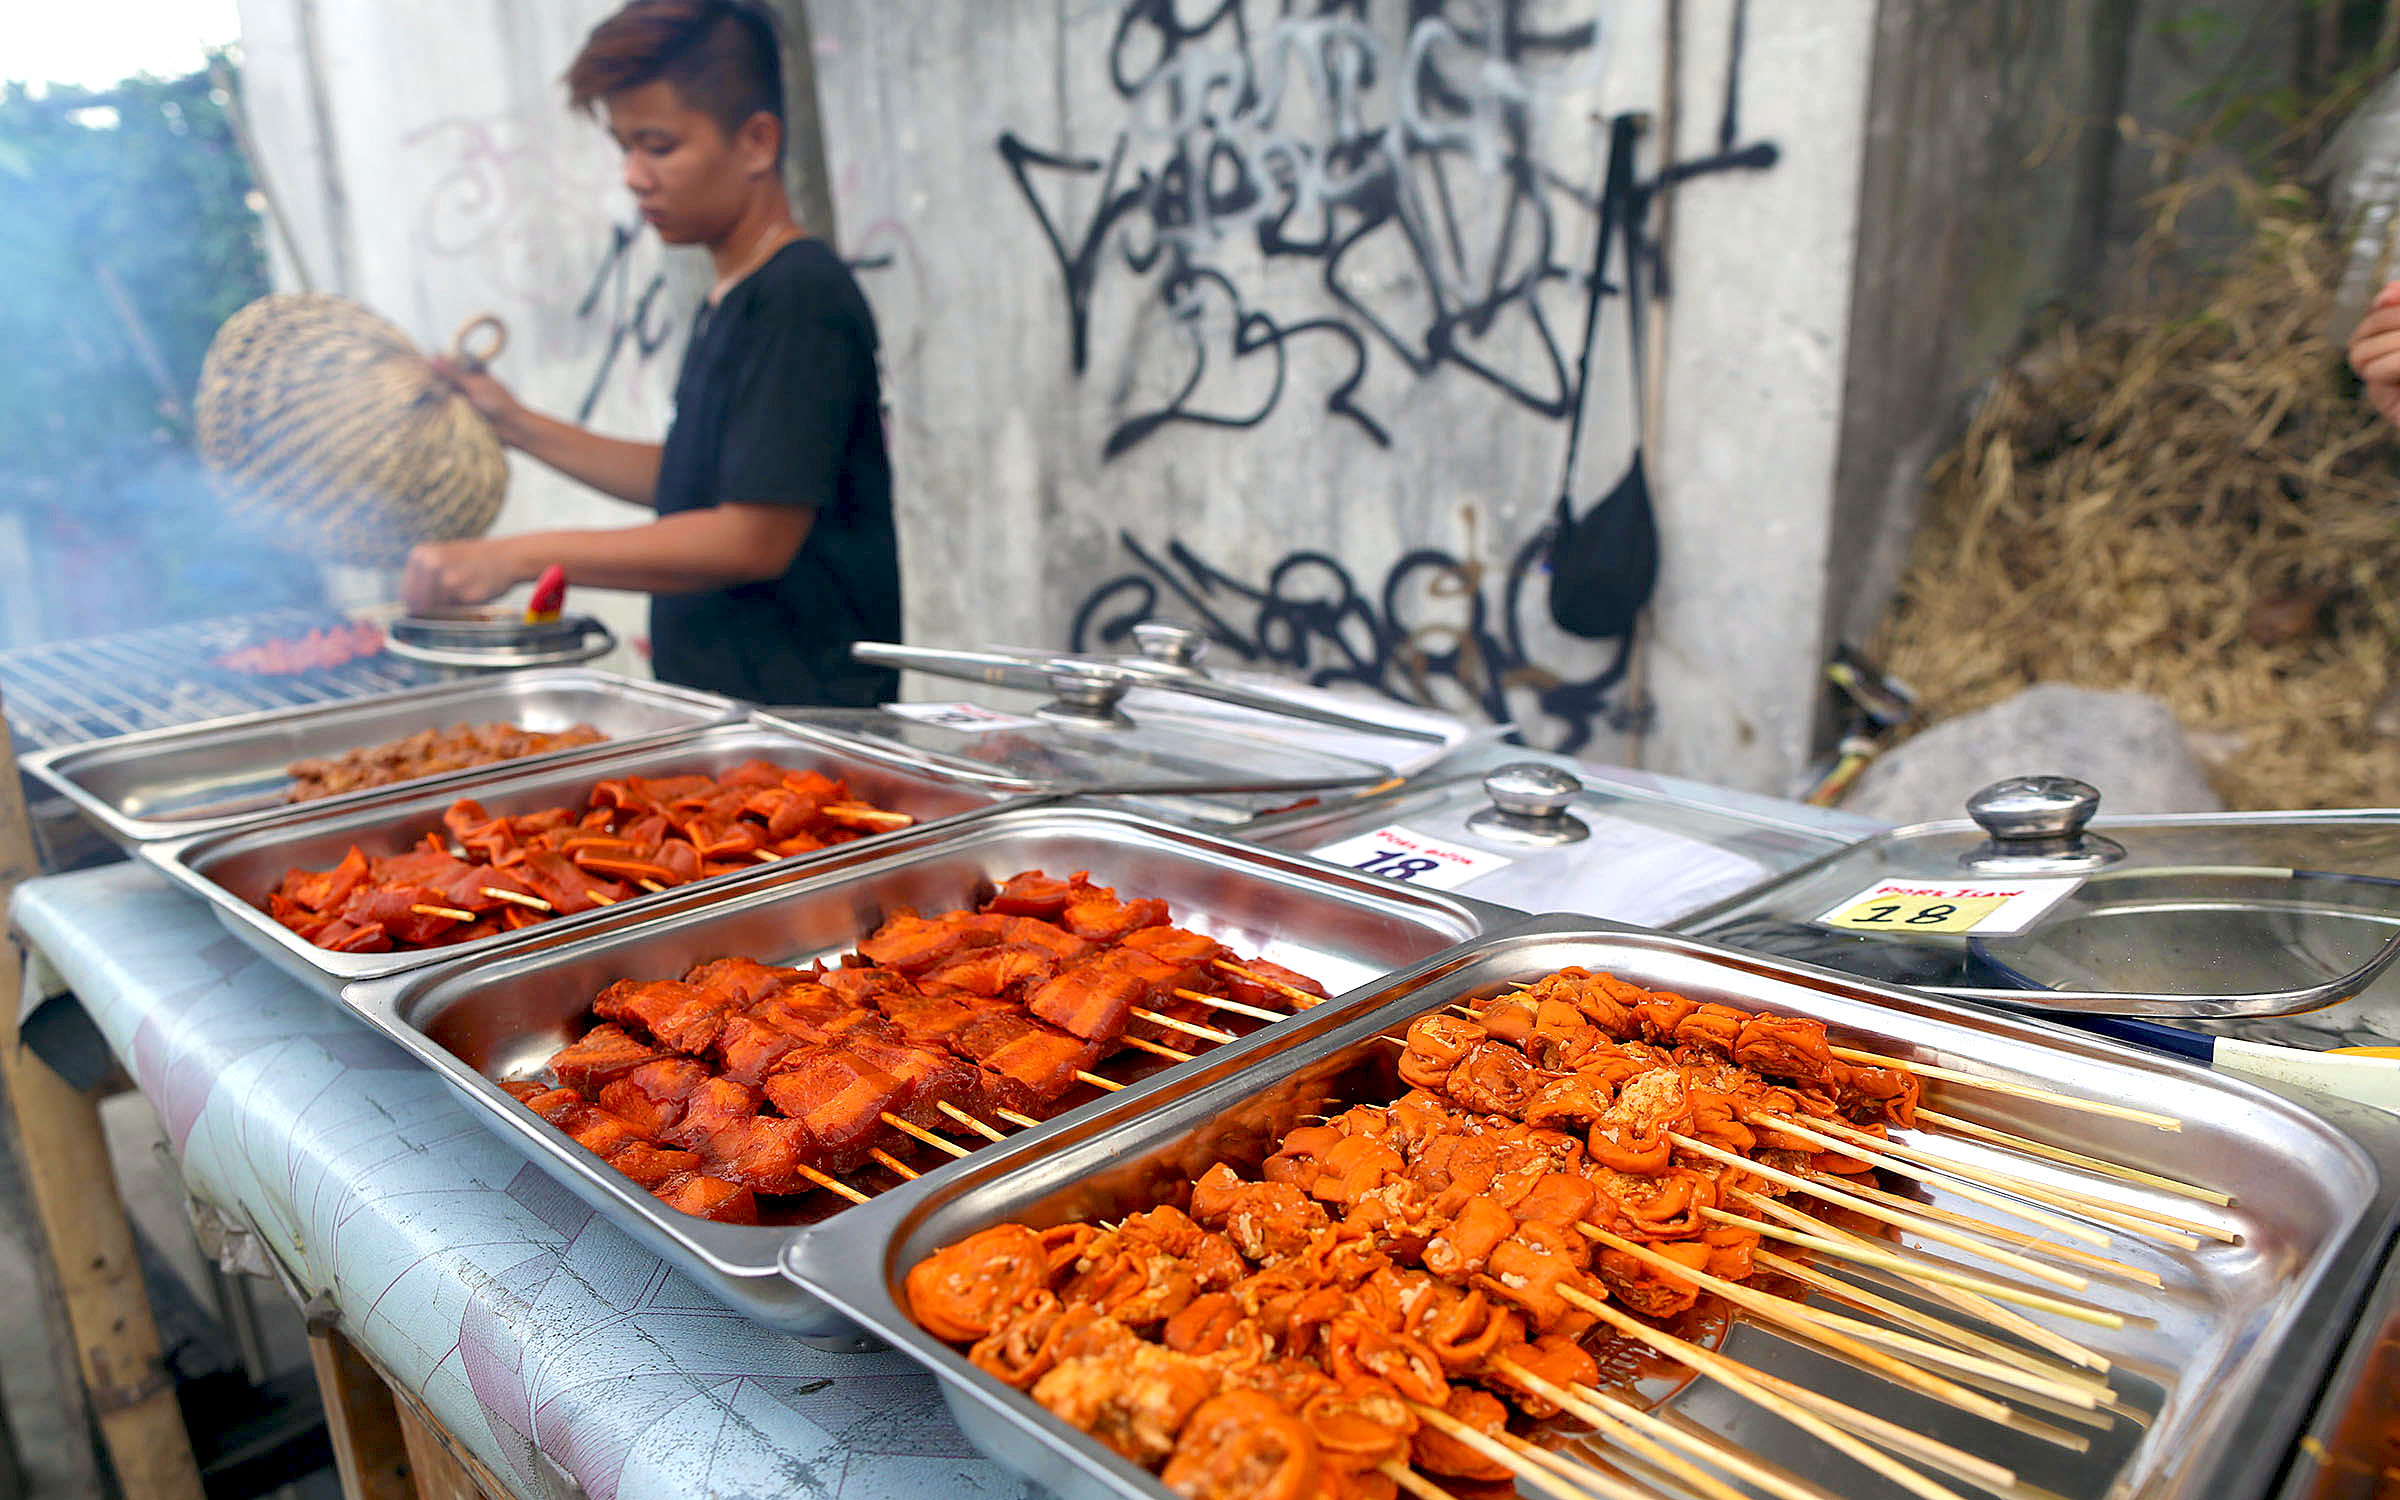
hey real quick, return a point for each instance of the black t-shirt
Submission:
(778, 404)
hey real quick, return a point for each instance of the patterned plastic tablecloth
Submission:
(562, 1353)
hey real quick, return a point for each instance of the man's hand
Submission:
(446, 575)
(2375, 352)
(486, 394)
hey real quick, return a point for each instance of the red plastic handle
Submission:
(549, 592)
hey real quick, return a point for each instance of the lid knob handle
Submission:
(2035, 825)
(1529, 805)
(1088, 693)
(1530, 789)
(1172, 644)
(2035, 807)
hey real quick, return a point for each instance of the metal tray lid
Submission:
(497, 639)
(2030, 902)
(1086, 737)
(1543, 832)
(1169, 661)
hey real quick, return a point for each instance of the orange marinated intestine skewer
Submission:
(1326, 1274)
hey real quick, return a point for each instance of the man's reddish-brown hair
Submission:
(721, 56)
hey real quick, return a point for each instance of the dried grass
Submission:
(2134, 495)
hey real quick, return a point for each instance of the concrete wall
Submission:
(1109, 399)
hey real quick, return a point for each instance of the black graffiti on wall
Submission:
(1427, 633)
(1415, 180)
(635, 322)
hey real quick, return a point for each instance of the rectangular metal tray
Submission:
(2225, 1361)
(222, 773)
(504, 1016)
(233, 870)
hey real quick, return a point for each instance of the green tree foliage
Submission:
(127, 235)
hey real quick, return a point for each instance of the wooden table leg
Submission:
(435, 1473)
(370, 1451)
(75, 1196)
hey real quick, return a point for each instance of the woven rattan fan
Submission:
(315, 413)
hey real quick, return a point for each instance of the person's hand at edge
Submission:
(2375, 352)
(487, 395)
(450, 575)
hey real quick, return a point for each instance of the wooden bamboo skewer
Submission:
(1013, 1118)
(1700, 1444)
(2035, 1243)
(2148, 1223)
(895, 1164)
(1850, 1338)
(2111, 1407)
(1909, 1266)
(1293, 993)
(968, 1120)
(1845, 1141)
(1736, 1377)
(1911, 1222)
(1984, 1296)
(1619, 1432)
(866, 814)
(765, 856)
(1412, 1481)
(831, 1184)
(2060, 1154)
(1929, 1451)
(2166, 1226)
(1143, 1044)
(647, 884)
(1595, 1483)
(453, 913)
(2003, 1086)
(1613, 1465)
(1928, 1324)
(534, 903)
(1096, 1081)
(1188, 1028)
(927, 1136)
(595, 896)
(1254, 1012)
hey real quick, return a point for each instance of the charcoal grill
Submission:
(72, 692)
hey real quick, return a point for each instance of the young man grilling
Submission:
(774, 546)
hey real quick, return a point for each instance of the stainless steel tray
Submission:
(199, 778)
(2351, 1441)
(233, 870)
(2223, 1363)
(505, 1015)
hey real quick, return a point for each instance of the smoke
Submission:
(156, 547)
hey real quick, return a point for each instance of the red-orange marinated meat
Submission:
(1243, 1445)
(601, 1056)
(1436, 1452)
(507, 872)
(960, 1292)
(1030, 893)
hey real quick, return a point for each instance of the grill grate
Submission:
(71, 692)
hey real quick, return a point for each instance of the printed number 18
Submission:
(1399, 865)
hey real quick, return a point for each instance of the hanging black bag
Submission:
(1604, 567)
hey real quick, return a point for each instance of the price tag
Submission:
(966, 718)
(1397, 853)
(1951, 907)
